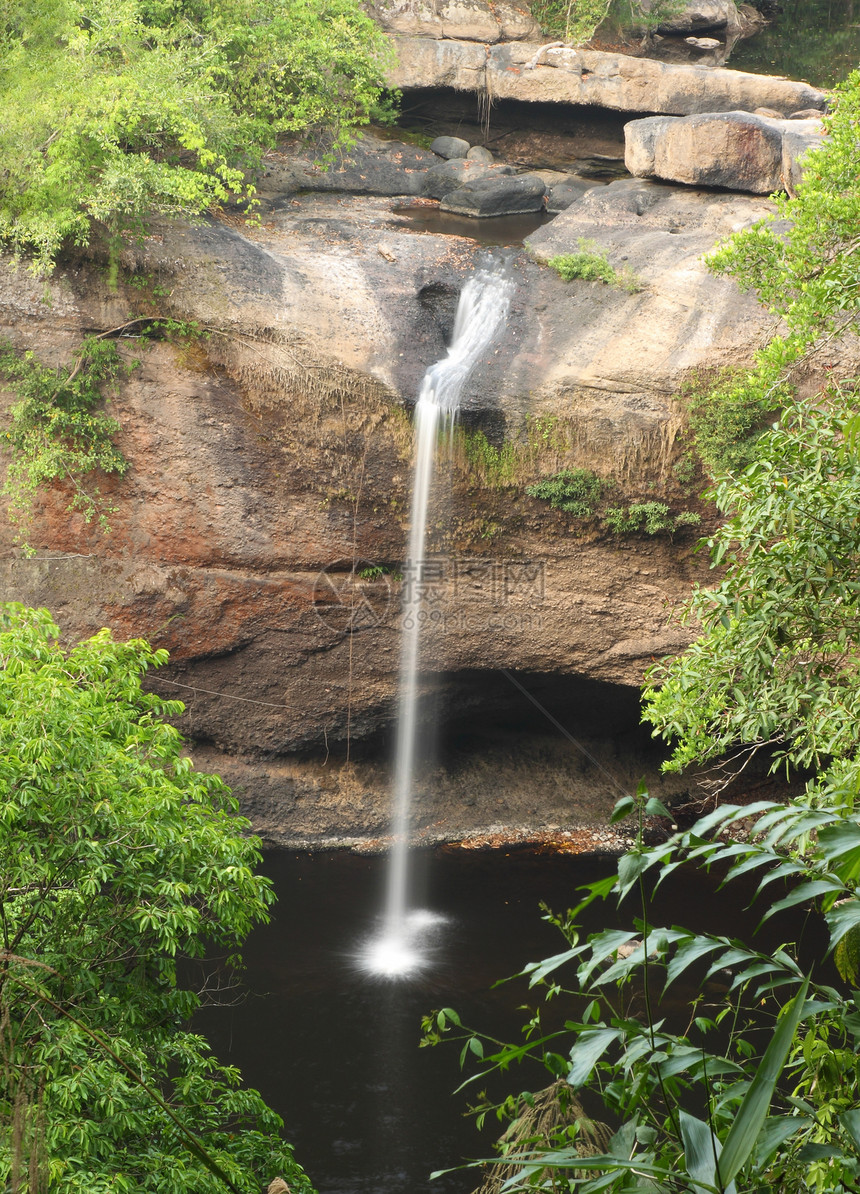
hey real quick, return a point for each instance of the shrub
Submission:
(591, 264)
(576, 491)
(728, 417)
(652, 518)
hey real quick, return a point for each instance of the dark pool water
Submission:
(337, 1053)
(814, 40)
(492, 230)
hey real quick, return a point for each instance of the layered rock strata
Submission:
(259, 533)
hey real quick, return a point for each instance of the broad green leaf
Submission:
(701, 1154)
(753, 1110)
(589, 1048)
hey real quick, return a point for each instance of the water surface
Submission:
(817, 41)
(337, 1054)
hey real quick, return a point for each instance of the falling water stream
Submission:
(481, 312)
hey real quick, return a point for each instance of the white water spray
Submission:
(482, 309)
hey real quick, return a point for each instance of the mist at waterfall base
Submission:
(402, 944)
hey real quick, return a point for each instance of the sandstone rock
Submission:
(497, 196)
(373, 167)
(703, 43)
(751, 19)
(640, 143)
(797, 139)
(695, 15)
(450, 147)
(733, 149)
(465, 20)
(769, 112)
(478, 153)
(448, 176)
(736, 150)
(571, 76)
(567, 191)
(276, 452)
(805, 114)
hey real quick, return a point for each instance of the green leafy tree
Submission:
(776, 665)
(117, 109)
(803, 264)
(116, 859)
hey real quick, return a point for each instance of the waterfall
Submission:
(481, 312)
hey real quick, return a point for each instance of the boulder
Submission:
(736, 150)
(374, 166)
(450, 147)
(697, 15)
(497, 196)
(478, 153)
(567, 191)
(640, 142)
(439, 180)
(751, 20)
(564, 75)
(797, 139)
(465, 20)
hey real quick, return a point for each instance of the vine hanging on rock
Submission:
(57, 433)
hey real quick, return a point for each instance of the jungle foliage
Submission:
(116, 858)
(803, 264)
(115, 111)
(758, 1086)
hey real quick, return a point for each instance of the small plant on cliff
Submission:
(591, 264)
(650, 518)
(576, 491)
(495, 467)
(57, 434)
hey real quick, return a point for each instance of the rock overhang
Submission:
(568, 75)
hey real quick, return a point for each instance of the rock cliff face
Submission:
(565, 75)
(269, 466)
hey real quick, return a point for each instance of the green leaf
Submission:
(623, 808)
(701, 1153)
(656, 808)
(850, 1121)
(776, 1130)
(752, 1112)
(589, 1048)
